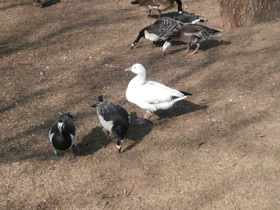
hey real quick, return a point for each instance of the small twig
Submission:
(14, 61)
(130, 191)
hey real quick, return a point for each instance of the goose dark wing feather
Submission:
(112, 112)
(168, 27)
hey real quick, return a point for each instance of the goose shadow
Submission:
(180, 108)
(203, 46)
(49, 3)
(92, 142)
(169, 14)
(137, 132)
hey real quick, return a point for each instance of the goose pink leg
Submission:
(187, 50)
(142, 120)
(147, 115)
(198, 45)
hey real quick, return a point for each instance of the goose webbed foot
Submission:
(195, 51)
(73, 159)
(141, 120)
(147, 115)
(56, 157)
(187, 50)
(119, 145)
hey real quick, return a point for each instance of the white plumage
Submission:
(149, 95)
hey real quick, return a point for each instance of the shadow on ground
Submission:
(180, 108)
(137, 132)
(14, 5)
(92, 142)
(50, 3)
(203, 46)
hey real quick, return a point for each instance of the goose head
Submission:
(137, 68)
(165, 47)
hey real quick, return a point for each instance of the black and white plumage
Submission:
(149, 95)
(192, 34)
(185, 17)
(161, 30)
(114, 118)
(63, 135)
(159, 5)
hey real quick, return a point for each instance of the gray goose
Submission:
(192, 34)
(159, 5)
(161, 30)
(185, 17)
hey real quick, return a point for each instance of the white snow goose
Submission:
(114, 118)
(149, 95)
(161, 30)
(159, 5)
(192, 34)
(63, 135)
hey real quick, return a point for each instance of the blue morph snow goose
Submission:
(63, 135)
(192, 34)
(149, 95)
(161, 30)
(114, 118)
(159, 5)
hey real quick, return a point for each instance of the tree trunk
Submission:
(240, 13)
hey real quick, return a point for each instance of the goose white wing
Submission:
(154, 92)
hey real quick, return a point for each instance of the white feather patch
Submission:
(51, 136)
(74, 137)
(59, 124)
(106, 124)
(190, 34)
(196, 21)
(150, 7)
(151, 37)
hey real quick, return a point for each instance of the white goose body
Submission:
(149, 95)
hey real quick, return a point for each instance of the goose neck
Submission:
(139, 79)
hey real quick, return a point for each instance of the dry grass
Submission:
(219, 150)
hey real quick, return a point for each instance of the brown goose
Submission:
(159, 5)
(192, 34)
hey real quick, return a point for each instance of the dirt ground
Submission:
(217, 150)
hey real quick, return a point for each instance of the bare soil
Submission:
(217, 150)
